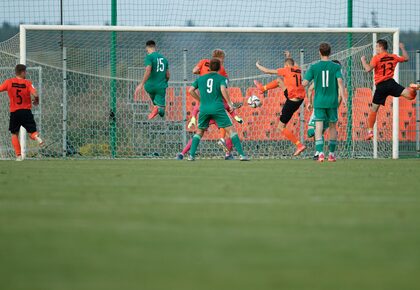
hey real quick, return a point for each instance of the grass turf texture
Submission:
(155, 224)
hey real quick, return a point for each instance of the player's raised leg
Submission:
(269, 86)
(289, 108)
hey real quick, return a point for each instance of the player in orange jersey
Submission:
(383, 64)
(290, 81)
(21, 91)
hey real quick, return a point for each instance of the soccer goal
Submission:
(90, 73)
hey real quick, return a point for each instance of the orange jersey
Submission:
(19, 91)
(384, 66)
(204, 66)
(293, 81)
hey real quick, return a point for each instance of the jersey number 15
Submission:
(160, 65)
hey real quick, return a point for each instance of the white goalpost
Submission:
(279, 38)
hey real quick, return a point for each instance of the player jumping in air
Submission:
(21, 91)
(155, 79)
(213, 89)
(383, 64)
(329, 89)
(293, 90)
(202, 68)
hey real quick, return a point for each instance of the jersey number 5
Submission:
(19, 97)
(160, 65)
(209, 86)
(325, 74)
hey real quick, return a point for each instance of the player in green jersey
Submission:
(310, 107)
(329, 89)
(155, 79)
(213, 89)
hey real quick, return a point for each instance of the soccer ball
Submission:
(254, 101)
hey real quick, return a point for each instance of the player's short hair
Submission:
(218, 53)
(289, 61)
(336, 61)
(325, 49)
(150, 43)
(383, 43)
(215, 64)
(20, 68)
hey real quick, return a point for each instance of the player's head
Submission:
(20, 70)
(325, 49)
(288, 62)
(381, 45)
(215, 64)
(219, 54)
(337, 62)
(150, 46)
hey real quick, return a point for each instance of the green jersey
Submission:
(211, 98)
(159, 66)
(325, 75)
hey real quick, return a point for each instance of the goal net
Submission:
(89, 75)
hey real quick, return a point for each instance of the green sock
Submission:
(237, 143)
(319, 145)
(161, 111)
(332, 145)
(195, 141)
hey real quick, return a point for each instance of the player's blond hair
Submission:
(219, 53)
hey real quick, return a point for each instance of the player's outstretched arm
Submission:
(365, 64)
(404, 52)
(266, 70)
(168, 75)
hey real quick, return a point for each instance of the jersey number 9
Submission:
(209, 86)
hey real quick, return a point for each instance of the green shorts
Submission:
(220, 117)
(311, 125)
(157, 95)
(329, 115)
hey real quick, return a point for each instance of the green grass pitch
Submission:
(209, 224)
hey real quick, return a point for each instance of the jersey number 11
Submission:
(325, 74)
